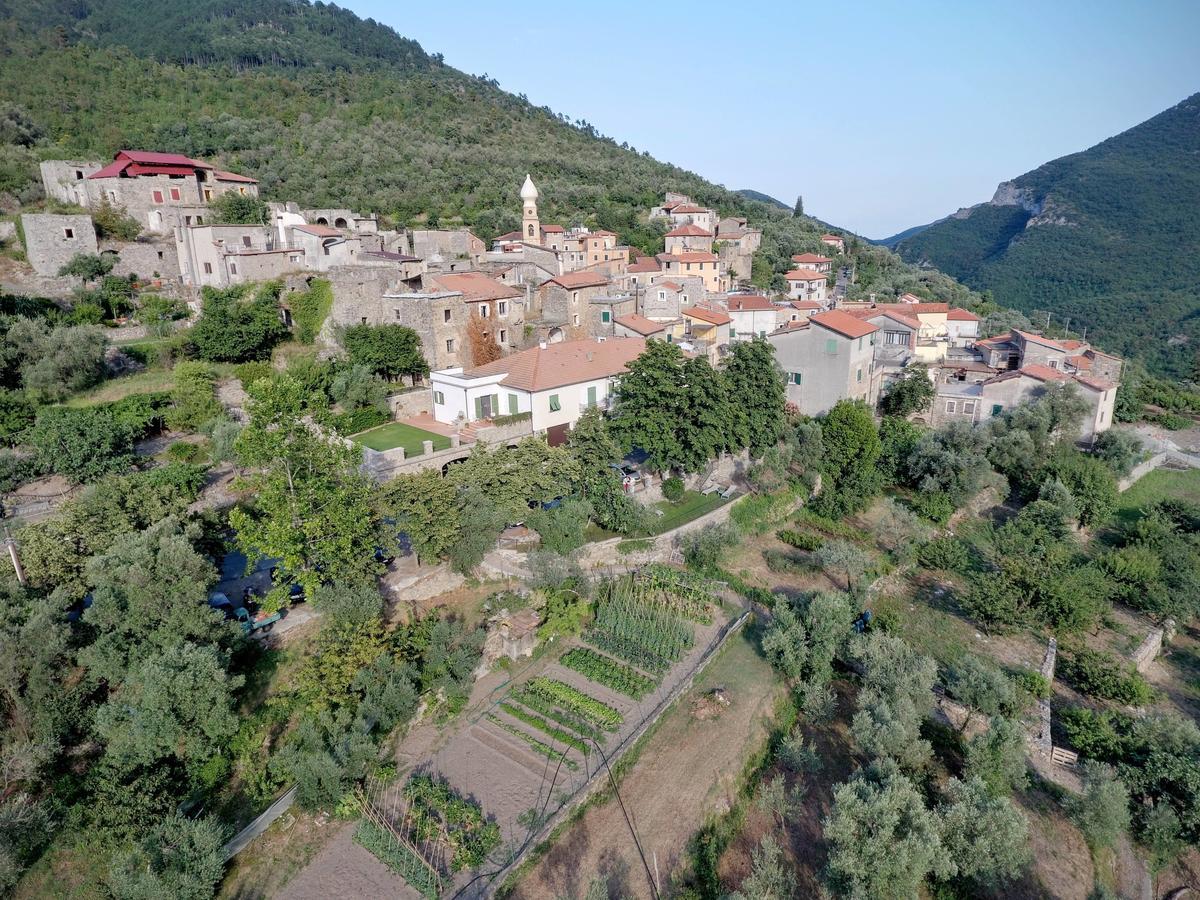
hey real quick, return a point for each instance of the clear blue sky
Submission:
(881, 114)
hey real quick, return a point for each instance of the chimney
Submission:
(541, 345)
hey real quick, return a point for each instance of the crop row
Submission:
(398, 858)
(564, 737)
(618, 676)
(576, 701)
(541, 705)
(684, 593)
(534, 744)
(641, 633)
(438, 811)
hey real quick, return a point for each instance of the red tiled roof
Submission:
(319, 230)
(806, 304)
(688, 208)
(1042, 373)
(154, 158)
(843, 323)
(552, 228)
(1071, 345)
(670, 286)
(476, 286)
(575, 280)
(511, 236)
(707, 314)
(1080, 362)
(961, 315)
(640, 324)
(689, 230)
(233, 176)
(804, 275)
(694, 256)
(830, 237)
(1038, 339)
(1098, 384)
(807, 259)
(894, 315)
(918, 308)
(645, 264)
(567, 362)
(747, 303)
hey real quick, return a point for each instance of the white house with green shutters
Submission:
(553, 383)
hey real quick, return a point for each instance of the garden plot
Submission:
(526, 751)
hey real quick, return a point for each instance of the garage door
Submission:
(556, 435)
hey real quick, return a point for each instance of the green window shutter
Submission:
(555, 406)
(997, 409)
(479, 407)
(592, 395)
(495, 404)
(831, 346)
(858, 377)
(796, 376)
(605, 316)
(512, 404)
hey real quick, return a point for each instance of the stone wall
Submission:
(151, 259)
(1164, 458)
(64, 179)
(52, 240)
(1149, 649)
(411, 403)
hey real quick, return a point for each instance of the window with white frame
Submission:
(483, 310)
(968, 407)
(895, 337)
(502, 307)
(449, 345)
(951, 407)
(439, 398)
(502, 336)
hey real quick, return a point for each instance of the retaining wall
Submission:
(1173, 458)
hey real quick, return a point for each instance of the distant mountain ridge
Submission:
(1109, 237)
(763, 198)
(895, 239)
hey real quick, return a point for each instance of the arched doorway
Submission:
(321, 220)
(339, 222)
(555, 336)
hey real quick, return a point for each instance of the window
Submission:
(502, 336)
(445, 315)
(555, 405)
(894, 338)
(199, 220)
(502, 307)
(68, 233)
(363, 320)
(831, 346)
(439, 398)
(325, 249)
(951, 407)
(483, 310)
(968, 407)
(662, 295)
(795, 377)
(78, 175)
(112, 196)
(208, 193)
(513, 404)
(233, 268)
(398, 315)
(1053, 363)
(245, 240)
(997, 408)
(592, 395)
(158, 197)
(160, 254)
(174, 193)
(575, 319)
(449, 345)
(858, 375)
(683, 299)
(605, 315)
(574, 296)
(689, 266)
(595, 257)
(208, 268)
(860, 343)
(187, 220)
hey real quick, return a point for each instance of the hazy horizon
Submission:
(888, 119)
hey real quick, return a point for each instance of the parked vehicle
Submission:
(259, 623)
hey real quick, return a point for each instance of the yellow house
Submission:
(695, 264)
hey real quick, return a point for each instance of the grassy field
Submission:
(1161, 484)
(147, 382)
(691, 505)
(397, 434)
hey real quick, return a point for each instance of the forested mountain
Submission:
(330, 110)
(1109, 237)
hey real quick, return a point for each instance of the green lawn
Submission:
(1161, 484)
(690, 506)
(397, 434)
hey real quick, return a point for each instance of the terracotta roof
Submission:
(806, 304)
(707, 314)
(694, 256)
(909, 298)
(640, 324)
(670, 286)
(830, 237)
(791, 326)
(961, 315)
(645, 264)
(689, 230)
(749, 303)
(918, 308)
(575, 280)
(600, 233)
(671, 204)
(567, 362)
(807, 259)
(688, 208)
(1071, 345)
(553, 228)
(1038, 339)
(843, 323)
(318, 230)
(1080, 362)
(510, 236)
(1098, 384)
(233, 176)
(805, 275)
(476, 287)
(866, 314)
(1043, 373)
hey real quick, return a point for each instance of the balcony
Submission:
(604, 403)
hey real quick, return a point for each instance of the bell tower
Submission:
(531, 228)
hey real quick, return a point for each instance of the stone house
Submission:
(663, 300)
(806, 284)
(433, 245)
(1019, 349)
(343, 220)
(500, 306)
(634, 325)
(222, 255)
(554, 383)
(799, 311)
(563, 300)
(687, 238)
(707, 331)
(736, 249)
(830, 358)
(52, 240)
(604, 310)
(438, 317)
(690, 214)
(325, 247)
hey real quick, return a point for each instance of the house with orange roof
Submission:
(706, 266)
(833, 241)
(636, 325)
(962, 327)
(752, 316)
(553, 383)
(814, 261)
(806, 284)
(707, 330)
(827, 359)
(561, 304)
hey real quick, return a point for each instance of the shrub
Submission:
(16, 469)
(360, 419)
(672, 488)
(193, 398)
(1101, 675)
(183, 451)
(759, 513)
(250, 372)
(945, 553)
(936, 506)
(1034, 683)
(1099, 735)
(801, 540)
(310, 308)
(703, 549)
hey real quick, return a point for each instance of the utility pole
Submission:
(1047, 321)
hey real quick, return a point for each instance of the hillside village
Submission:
(471, 543)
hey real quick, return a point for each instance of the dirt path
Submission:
(688, 769)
